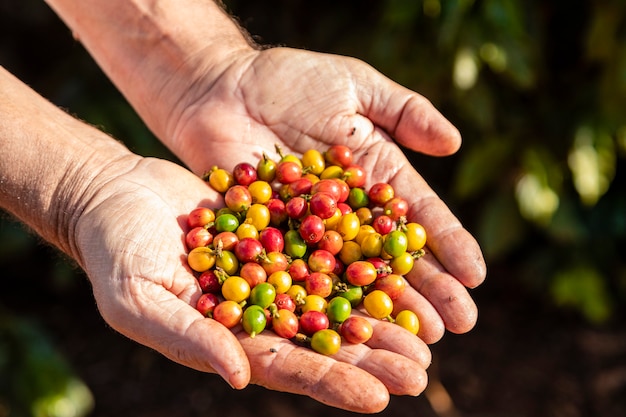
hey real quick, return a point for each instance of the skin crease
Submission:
(136, 264)
(155, 298)
(212, 98)
(454, 260)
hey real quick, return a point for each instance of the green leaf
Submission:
(481, 166)
(566, 226)
(583, 288)
(401, 13)
(42, 383)
(500, 227)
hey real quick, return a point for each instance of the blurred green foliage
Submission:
(537, 88)
(36, 379)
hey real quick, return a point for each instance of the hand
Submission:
(130, 241)
(302, 100)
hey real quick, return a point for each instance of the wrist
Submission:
(51, 164)
(155, 51)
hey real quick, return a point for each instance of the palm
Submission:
(131, 248)
(130, 239)
(301, 100)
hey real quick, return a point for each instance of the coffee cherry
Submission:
(354, 176)
(338, 310)
(380, 193)
(318, 283)
(262, 294)
(228, 313)
(378, 304)
(323, 205)
(207, 303)
(288, 171)
(227, 261)
(311, 229)
(326, 342)
(284, 301)
(272, 239)
(248, 250)
(408, 320)
(225, 241)
(253, 273)
(356, 329)
(235, 289)
(209, 282)
(258, 215)
(281, 280)
(321, 260)
(391, 284)
(226, 223)
(198, 236)
(266, 169)
(254, 320)
(396, 243)
(299, 270)
(299, 187)
(301, 243)
(296, 208)
(396, 208)
(348, 226)
(285, 323)
(313, 321)
(416, 236)
(331, 242)
(273, 262)
(295, 245)
(220, 179)
(260, 191)
(313, 161)
(338, 155)
(201, 259)
(244, 173)
(360, 273)
(328, 186)
(238, 198)
(200, 217)
(277, 211)
(383, 224)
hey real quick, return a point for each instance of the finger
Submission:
(280, 365)
(453, 260)
(432, 327)
(408, 117)
(155, 317)
(393, 338)
(447, 295)
(451, 244)
(399, 374)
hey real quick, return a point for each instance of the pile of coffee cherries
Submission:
(299, 244)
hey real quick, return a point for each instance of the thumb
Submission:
(409, 118)
(160, 320)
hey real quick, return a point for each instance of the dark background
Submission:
(550, 340)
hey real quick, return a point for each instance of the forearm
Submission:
(153, 50)
(49, 162)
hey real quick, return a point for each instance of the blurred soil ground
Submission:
(523, 359)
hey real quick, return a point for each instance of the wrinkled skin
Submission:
(127, 230)
(301, 100)
(130, 239)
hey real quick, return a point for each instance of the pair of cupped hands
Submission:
(130, 236)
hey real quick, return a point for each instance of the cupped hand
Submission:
(130, 241)
(301, 100)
